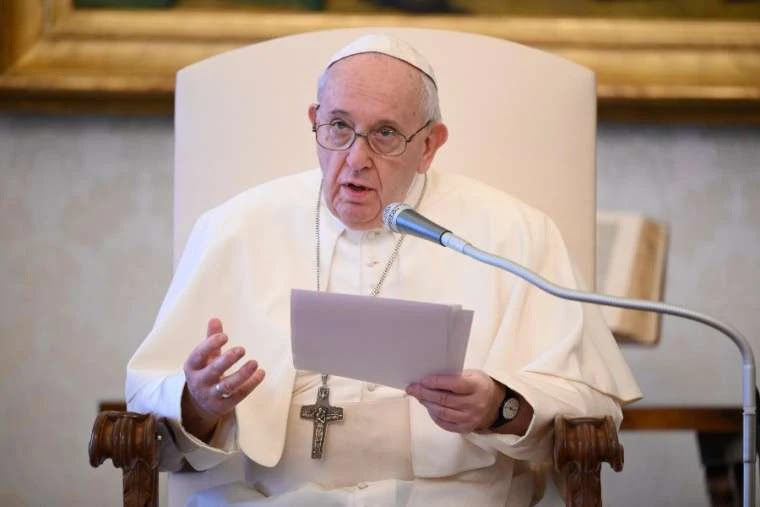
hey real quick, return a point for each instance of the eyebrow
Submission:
(382, 121)
(339, 111)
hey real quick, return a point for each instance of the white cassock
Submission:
(240, 264)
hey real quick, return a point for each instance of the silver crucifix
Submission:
(322, 413)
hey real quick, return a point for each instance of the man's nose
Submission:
(359, 154)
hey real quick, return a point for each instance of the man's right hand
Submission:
(209, 395)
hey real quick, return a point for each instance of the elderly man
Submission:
(449, 439)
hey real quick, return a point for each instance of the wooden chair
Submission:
(519, 119)
(132, 440)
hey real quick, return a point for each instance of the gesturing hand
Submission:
(209, 395)
(459, 403)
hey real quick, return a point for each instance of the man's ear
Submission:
(313, 113)
(437, 136)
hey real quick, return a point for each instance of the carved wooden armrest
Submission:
(131, 441)
(581, 444)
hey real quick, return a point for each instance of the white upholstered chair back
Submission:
(519, 119)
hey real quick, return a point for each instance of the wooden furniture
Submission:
(581, 445)
(718, 432)
(131, 442)
(578, 458)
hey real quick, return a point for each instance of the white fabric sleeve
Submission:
(215, 278)
(549, 397)
(155, 381)
(558, 354)
(178, 444)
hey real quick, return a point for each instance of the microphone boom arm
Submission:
(749, 451)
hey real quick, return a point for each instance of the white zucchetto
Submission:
(386, 45)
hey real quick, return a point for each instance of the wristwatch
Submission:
(508, 409)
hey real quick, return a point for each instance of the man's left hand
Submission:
(460, 403)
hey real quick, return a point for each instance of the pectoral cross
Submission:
(322, 413)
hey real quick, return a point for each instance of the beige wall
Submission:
(85, 256)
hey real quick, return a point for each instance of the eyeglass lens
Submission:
(340, 137)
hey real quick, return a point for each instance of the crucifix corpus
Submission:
(322, 413)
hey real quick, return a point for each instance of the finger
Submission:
(208, 348)
(234, 381)
(216, 368)
(453, 427)
(456, 427)
(439, 397)
(214, 327)
(216, 352)
(446, 414)
(248, 385)
(213, 355)
(459, 384)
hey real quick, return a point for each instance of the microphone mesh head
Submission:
(391, 212)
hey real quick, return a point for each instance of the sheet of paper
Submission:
(385, 341)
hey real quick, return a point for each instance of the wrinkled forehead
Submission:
(374, 84)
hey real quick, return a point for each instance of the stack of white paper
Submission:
(385, 341)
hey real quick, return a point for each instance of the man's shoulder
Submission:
(276, 198)
(488, 217)
(470, 196)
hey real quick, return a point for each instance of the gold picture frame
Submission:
(55, 58)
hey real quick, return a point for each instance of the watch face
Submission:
(510, 408)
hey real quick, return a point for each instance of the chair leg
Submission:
(141, 486)
(580, 446)
(721, 457)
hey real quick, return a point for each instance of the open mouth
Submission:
(355, 188)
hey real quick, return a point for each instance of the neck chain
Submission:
(321, 411)
(377, 287)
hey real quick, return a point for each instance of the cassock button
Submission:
(371, 387)
(362, 485)
(371, 235)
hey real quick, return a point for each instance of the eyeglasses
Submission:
(338, 135)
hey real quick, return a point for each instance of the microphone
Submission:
(402, 218)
